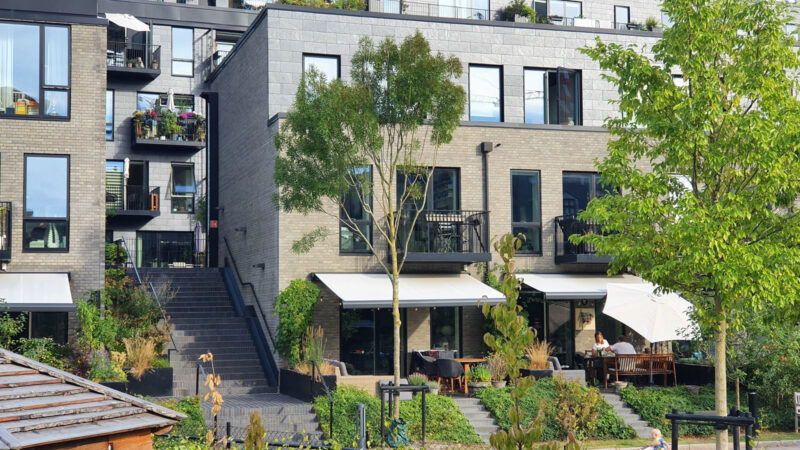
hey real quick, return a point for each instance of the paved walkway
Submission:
(795, 444)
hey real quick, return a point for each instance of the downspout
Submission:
(486, 148)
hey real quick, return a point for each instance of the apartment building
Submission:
(522, 161)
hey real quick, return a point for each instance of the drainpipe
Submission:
(486, 148)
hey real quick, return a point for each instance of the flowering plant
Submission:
(151, 113)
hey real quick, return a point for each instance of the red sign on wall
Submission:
(213, 224)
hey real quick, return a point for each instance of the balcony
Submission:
(133, 61)
(446, 236)
(5, 231)
(583, 253)
(164, 130)
(131, 203)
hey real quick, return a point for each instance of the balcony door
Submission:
(137, 191)
(579, 188)
(440, 228)
(367, 341)
(444, 189)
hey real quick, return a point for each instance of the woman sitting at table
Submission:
(600, 344)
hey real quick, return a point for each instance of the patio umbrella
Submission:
(171, 100)
(656, 317)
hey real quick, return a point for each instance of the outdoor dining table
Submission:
(466, 362)
(594, 362)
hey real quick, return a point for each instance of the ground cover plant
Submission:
(445, 422)
(566, 407)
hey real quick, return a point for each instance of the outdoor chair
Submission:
(451, 371)
(424, 365)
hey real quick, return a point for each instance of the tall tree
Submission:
(707, 164)
(399, 107)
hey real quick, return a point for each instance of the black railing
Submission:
(429, 10)
(566, 226)
(5, 231)
(736, 420)
(456, 231)
(191, 130)
(121, 197)
(134, 56)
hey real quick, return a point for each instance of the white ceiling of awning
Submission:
(36, 291)
(374, 290)
(127, 21)
(565, 286)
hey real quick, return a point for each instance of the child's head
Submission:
(656, 433)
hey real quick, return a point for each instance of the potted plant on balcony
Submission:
(131, 63)
(138, 120)
(169, 124)
(154, 64)
(519, 11)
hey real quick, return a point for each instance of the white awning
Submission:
(566, 286)
(374, 290)
(36, 292)
(127, 21)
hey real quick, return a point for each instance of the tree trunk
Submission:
(720, 377)
(397, 323)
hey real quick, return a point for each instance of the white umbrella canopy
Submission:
(127, 21)
(657, 317)
(171, 100)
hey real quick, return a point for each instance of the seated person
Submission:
(600, 344)
(622, 347)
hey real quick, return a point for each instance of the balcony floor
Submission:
(454, 257)
(168, 144)
(132, 73)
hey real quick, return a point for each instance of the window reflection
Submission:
(485, 99)
(579, 188)
(526, 211)
(182, 51)
(19, 69)
(45, 222)
(553, 96)
(328, 66)
(109, 115)
(350, 239)
(446, 329)
(56, 56)
(56, 103)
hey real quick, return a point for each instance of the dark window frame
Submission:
(367, 220)
(45, 87)
(172, 194)
(594, 181)
(459, 311)
(618, 23)
(338, 59)
(553, 71)
(501, 91)
(162, 98)
(64, 219)
(527, 172)
(172, 53)
(113, 103)
(429, 193)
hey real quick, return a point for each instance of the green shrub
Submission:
(445, 422)
(519, 8)
(115, 255)
(295, 308)
(653, 404)
(417, 379)
(96, 332)
(193, 425)
(43, 350)
(479, 374)
(567, 407)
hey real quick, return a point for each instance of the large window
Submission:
(327, 65)
(553, 96)
(446, 329)
(183, 188)
(46, 218)
(622, 17)
(526, 209)
(366, 340)
(464, 9)
(25, 52)
(579, 188)
(164, 248)
(444, 189)
(182, 52)
(486, 93)
(109, 115)
(350, 240)
(564, 12)
(147, 100)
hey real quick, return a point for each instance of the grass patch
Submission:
(445, 422)
(193, 425)
(567, 407)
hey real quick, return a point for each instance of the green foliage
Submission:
(565, 408)
(653, 404)
(10, 327)
(295, 309)
(256, 438)
(519, 8)
(103, 368)
(357, 5)
(168, 122)
(43, 350)
(96, 332)
(417, 379)
(651, 23)
(193, 425)
(479, 373)
(115, 255)
(445, 422)
(201, 210)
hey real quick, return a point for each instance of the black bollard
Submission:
(752, 404)
(674, 430)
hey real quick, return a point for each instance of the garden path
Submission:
(627, 414)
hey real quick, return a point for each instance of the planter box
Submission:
(121, 386)
(536, 374)
(154, 383)
(696, 374)
(302, 387)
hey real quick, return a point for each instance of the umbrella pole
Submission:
(651, 364)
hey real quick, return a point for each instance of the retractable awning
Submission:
(374, 290)
(45, 292)
(127, 21)
(566, 286)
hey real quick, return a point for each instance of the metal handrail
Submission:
(152, 291)
(315, 368)
(252, 289)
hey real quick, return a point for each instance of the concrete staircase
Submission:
(627, 414)
(478, 416)
(203, 320)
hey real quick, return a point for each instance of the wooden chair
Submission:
(639, 364)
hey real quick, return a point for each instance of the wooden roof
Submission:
(41, 405)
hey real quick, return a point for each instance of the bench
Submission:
(639, 364)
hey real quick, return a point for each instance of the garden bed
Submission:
(302, 387)
(154, 383)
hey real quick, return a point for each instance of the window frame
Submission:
(563, 14)
(173, 195)
(616, 22)
(596, 176)
(46, 87)
(501, 91)
(164, 95)
(64, 219)
(368, 220)
(172, 52)
(429, 192)
(113, 103)
(338, 59)
(552, 71)
(458, 332)
(527, 172)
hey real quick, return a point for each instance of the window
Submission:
(162, 248)
(485, 93)
(446, 328)
(115, 182)
(564, 12)
(464, 9)
(444, 190)
(146, 100)
(24, 90)
(46, 218)
(109, 115)
(553, 96)
(350, 241)
(326, 65)
(622, 17)
(526, 209)
(225, 41)
(579, 188)
(666, 20)
(182, 52)
(183, 188)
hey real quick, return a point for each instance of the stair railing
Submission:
(314, 370)
(152, 291)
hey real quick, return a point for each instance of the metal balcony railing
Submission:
(122, 198)
(566, 251)
(150, 129)
(445, 232)
(133, 56)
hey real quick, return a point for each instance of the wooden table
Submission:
(593, 363)
(466, 362)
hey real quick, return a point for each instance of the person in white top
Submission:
(622, 347)
(600, 344)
